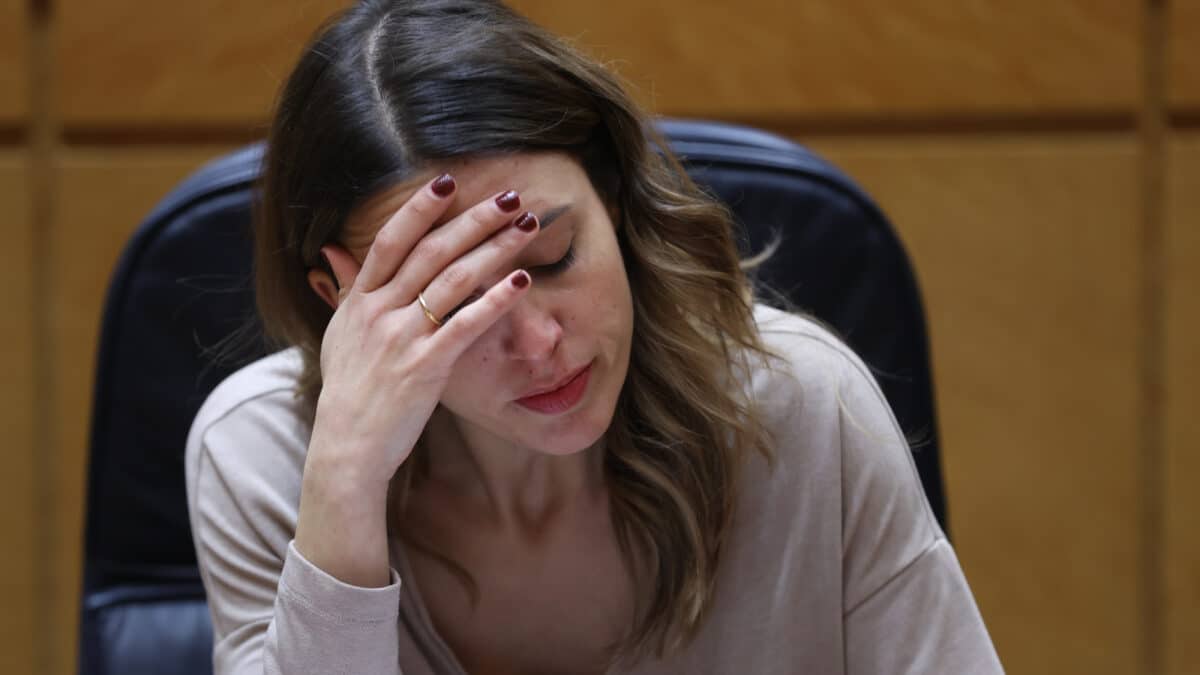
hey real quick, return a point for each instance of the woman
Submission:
(529, 419)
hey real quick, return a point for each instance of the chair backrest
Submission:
(182, 286)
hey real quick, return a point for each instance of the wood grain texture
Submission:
(209, 62)
(102, 197)
(219, 62)
(1026, 248)
(766, 59)
(17, 497)
(14, 48)
(1183, 45)
(1182, 527)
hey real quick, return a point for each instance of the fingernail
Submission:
(527, 222)
(521, 279)
(444, 185)
(509, 201)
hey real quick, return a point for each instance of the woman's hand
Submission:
(385, 363)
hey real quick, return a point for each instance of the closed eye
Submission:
(560, 265)
(557, 267)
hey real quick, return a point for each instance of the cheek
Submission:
(475, 373)
(611, 286)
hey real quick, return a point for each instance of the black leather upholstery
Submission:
(183, 285)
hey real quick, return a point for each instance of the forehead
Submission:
(544, 180)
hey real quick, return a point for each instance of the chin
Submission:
(576, 431)
(579, 437)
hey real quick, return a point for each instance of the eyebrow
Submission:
(552, 215)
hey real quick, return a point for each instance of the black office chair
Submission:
(183, 286)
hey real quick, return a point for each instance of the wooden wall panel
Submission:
(1183, 46)
(102, 197)
(215, 62)
(18, 524)
(1027, 249)
(220, 61)
(14, 48)
(1182, 527)
(761, 59)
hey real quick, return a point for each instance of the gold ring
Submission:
(425, 308)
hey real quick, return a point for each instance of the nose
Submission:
(533, 331)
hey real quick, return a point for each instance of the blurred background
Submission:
(1040, 159)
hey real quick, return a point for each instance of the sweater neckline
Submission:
(412, 606)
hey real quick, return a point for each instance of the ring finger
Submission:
(456, 284)
(441, 248)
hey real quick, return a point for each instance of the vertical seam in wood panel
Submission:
(1153, 346)
(43, 142)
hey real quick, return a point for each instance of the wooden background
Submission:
(1041, 160)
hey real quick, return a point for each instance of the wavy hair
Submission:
(391, 86)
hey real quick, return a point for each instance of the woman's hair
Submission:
(391, 87)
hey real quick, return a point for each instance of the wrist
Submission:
(344, 465)
(342, 480)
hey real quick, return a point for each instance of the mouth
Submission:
(560, 397)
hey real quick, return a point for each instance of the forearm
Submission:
(342, 522)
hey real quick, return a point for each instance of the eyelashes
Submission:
(561, 265)
(555, 268)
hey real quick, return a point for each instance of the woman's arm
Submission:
(273, 611)
(908, 608)
(384, 365)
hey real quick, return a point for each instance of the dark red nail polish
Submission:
(509, 201)
(527, 222)
(521, 280)
(444, 185)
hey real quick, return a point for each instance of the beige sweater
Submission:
(835, 563)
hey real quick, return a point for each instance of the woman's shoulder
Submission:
(822, 407)
(837, 450)
(829, 418)
(252, 421)
(811, 362)
(244, 467)
(267, 385)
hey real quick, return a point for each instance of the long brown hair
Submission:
(391, 86)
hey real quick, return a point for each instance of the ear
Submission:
(344, 270)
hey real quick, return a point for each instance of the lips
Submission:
(557, 385)
(561, 398)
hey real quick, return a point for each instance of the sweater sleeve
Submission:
(907, 606)
(325, 626)
(272, 610)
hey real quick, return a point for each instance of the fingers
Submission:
(474, 319)
(443, 249)
(461, 278)
(396, 239)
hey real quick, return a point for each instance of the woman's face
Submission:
(577, 316)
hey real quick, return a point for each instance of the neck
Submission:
(514, 488)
